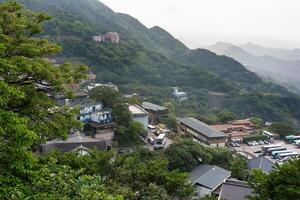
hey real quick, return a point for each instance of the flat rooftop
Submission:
(137, 110)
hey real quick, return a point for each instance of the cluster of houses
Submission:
(98, 129)
(112, 37)
(98, 132)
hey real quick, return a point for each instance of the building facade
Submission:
(140, 115)
(156, 112)
(202, 132)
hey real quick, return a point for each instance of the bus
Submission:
(286, 155)
(266, 147)
(291, 138)
(297, 143)
(151, 128)
(160, 142)
(268, 134)
(270, 150)
(275, 153)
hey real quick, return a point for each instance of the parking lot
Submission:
(249, 151)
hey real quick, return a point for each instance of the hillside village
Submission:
(242, 136)
(115, 131)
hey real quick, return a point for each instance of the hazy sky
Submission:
(274, 23)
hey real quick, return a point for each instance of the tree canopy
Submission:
(283, 182)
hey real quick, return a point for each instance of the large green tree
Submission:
(28, 113)
(283, 182)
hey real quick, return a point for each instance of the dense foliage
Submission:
(283, 182)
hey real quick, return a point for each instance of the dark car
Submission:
(150, 140)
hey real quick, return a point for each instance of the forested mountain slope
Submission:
(151, 61)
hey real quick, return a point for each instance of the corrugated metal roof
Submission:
(202, 127)
(152, 106)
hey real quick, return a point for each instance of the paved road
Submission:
(152, 135)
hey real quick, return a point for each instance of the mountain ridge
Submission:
(286, 73)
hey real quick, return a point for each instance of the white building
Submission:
(139, 115)
(181, 96)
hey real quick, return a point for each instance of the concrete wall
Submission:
(143, 120)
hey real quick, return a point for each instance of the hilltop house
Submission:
(208, 179)
(202, 132)
(156, 112)
(112, 37)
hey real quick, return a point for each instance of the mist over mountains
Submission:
(279, 65)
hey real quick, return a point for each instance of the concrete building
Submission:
(140, 115)
(113, 37)
(156, 112)
(208, 179)
(202, 132)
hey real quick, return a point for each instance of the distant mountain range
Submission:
(279, 65)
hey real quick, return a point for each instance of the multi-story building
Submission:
(156, 112)
(112, 37)
(202, 132)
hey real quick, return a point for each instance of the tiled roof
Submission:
(209, 176)
(260, 163)
(235, 190)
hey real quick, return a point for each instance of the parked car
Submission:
(249, 143)
(150, 140)
(232, 144)
(237, 144)
(260, 142)
(254, 143)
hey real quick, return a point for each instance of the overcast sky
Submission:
(274, 23)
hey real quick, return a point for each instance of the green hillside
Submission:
(151, 61)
